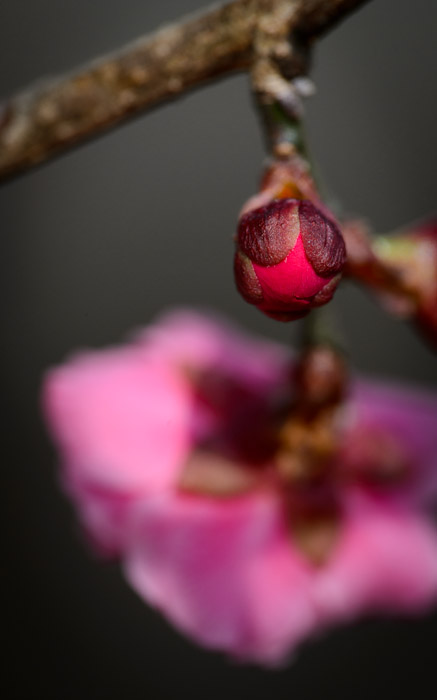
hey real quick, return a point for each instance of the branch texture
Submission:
(53, 116)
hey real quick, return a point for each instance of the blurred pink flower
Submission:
(224, 566)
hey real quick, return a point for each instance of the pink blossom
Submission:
(225, 567)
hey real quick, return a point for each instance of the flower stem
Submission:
(321, 328)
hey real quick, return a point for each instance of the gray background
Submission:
(103, 239)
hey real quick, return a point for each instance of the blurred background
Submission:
(105, 238)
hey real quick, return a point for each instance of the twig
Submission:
(50, 117)
(363, 265)
(401, 269)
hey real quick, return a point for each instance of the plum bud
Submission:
(289, 258)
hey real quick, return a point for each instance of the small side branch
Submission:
(50, 117)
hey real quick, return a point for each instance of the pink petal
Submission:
(222, 571)
(120, 420)
(410, 417)
(386, 559)
(207, 343)
(105, 515)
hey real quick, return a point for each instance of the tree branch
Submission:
(50, 117)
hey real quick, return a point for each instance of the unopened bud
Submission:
(289, 258)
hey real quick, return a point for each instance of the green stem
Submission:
(283, 132)
(321, 328)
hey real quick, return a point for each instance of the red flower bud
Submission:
(289, 258)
